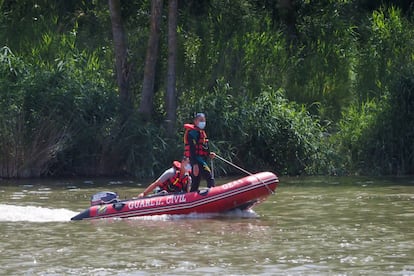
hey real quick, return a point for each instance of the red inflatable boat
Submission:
(240, 194)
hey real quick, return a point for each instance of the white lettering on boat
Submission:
(144, 203)
(151, 202)
(227, 186)
(232, 184)
(173, 199)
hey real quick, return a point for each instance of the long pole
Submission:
(243, 170)
(232, 164)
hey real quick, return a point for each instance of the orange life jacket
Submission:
(177, 183)
(201, 148)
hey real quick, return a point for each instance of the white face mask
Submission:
(187, 167)
(201, 125)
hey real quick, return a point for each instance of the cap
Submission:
(198, 115)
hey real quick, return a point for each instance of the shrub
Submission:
(267, 132)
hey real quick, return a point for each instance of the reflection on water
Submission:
(313, 226)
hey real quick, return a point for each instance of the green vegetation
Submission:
(294, 87)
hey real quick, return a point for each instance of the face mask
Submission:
(202, 125)
(187, 167)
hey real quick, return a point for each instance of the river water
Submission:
(311, 226)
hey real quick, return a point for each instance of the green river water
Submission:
(311, 226)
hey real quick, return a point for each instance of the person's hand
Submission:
(212, 155)
(141, 195)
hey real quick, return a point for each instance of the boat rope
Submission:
(234, 165)
(245, 171)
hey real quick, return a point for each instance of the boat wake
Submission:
(236, 214)
(16, 213)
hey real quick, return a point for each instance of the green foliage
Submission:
(323, 58)
(354, 135)
(388, 49)
(59, 120)
(376, 134)
(267, 132)
(45, 112)
(30, 136)
(332, 94)
(377, 137)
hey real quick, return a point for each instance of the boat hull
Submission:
(239, 194)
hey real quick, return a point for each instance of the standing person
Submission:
(174, 180)
(197, 149)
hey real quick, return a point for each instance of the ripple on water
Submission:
(18, 195)
(299, 231)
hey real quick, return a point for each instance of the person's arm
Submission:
(150, 188)
(164, 177)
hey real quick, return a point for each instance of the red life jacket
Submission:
(177, 183)
(201, 148)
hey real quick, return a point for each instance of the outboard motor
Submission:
(104, 198)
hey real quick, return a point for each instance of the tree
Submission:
(288, 16)
(147, 96)
(121, 56)
(171, 101)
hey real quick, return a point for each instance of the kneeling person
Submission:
(174, 180)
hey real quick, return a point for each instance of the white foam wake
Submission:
(227, 215)
(33, 213)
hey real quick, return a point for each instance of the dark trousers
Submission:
(205, 172)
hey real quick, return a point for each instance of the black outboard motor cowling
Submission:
(104, 198)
